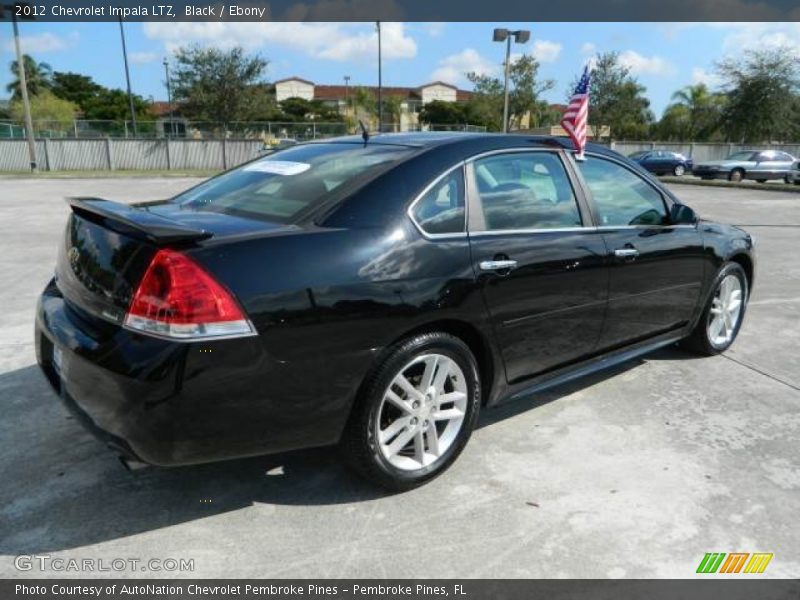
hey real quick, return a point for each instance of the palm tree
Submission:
(393, 106)
(38, 77)
(703, 107)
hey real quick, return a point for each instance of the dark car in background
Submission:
(793, 176)
(663, 162)
(376, 295)
(760, 165)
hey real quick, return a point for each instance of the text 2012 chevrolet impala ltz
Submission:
(374, 295)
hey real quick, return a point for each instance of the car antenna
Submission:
(364, 131)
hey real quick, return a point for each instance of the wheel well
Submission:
(473, 338)
(747, 265)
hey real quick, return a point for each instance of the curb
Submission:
(781, 187)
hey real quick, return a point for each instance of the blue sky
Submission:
(663, 56)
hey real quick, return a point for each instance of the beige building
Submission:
(412, 99)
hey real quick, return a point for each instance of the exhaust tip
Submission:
(132, 465)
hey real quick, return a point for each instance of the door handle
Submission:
(498, 265)
(626, 253)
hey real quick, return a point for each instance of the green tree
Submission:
(217, 85)
(485, 107)
(524, 98)
(617, 100)
(76, 88)
(393, 109)
(700, 112)
(365, 106)
(761, 89)
(38, 77)
(439, 112)
(48, 111)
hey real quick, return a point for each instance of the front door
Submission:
(656, 268)
(542, 273)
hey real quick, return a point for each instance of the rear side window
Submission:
(441, 209)
(525, 190)
(620, 195)
(280, 186)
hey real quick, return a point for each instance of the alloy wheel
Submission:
(679, 170)
(422, 412)
(726, 310)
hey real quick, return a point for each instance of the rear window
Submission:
(282, 185)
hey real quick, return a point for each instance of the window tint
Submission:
(282, 184)
(621, 196)
(525, 191)
(441, 209)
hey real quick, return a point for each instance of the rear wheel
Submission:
(736, 175)
(722, 315)
(679, 170)
(416, 412)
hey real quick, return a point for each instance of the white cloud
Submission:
(433, 29)
(40, 43)
(761, 36)
(394, 44)
(330, 41)
(545, 51)
(588, 48)
(452, 69)
(140, 58)
(644, 65)
(700, 75)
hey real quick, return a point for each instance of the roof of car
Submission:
(427, 139)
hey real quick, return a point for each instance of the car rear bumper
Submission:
(170, 403)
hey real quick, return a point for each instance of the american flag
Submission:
(577, 113)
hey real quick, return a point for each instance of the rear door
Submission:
(539, 260)
(656, 268)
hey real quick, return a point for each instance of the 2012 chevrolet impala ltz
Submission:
(374, 293)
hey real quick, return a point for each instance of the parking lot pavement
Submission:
(634, 473)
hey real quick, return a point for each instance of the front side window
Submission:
(525, 190)
(441, 209)
(621, 196)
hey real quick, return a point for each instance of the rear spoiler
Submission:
(136, 222)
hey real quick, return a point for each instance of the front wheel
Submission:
(679, 170)
(415, 413)
(722, 315)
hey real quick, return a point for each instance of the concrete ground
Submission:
(636, 472)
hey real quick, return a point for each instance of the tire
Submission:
(736, 175)
(679, 170)
(403, 470)
(761, 180)
(702, 339)
(786, 179)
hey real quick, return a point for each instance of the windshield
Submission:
(279, 186)
(744, 155)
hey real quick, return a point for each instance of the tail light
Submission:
(178, 299)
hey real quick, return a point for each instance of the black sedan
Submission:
(663, 162)
(374, 295)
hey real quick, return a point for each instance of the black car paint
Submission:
(329, 293)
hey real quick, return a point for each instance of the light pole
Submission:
(346, 94)
(380, 81)
(169, 99)
(128, 78)
(23, 85)
(504, 35)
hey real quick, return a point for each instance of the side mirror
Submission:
(680, 214)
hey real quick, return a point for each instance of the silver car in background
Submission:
(760, 165)
(793, 176)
